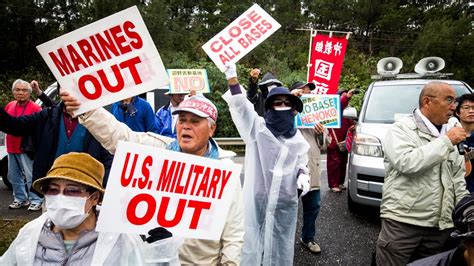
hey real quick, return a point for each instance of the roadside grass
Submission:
(8, 231)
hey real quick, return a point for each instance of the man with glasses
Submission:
(20, 165)
(465, 114)
(424, 179)
(275, 168)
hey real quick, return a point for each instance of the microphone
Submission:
(454, 122)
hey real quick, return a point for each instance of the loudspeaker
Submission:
(429, 65)
(389, 66)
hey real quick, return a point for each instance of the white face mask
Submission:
(66, 212)
(282, 108)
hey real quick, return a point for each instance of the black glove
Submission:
(158, 233)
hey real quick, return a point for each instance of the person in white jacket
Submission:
(65, 234)
(195, 128)
(275, 168)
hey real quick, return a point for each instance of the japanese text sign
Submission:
(325, 109)
(106, 61)
(185, 80)
(189, 195)
(325, 63)
(241, 36)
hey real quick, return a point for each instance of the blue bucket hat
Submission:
(297, 103)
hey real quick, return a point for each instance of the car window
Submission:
(388, 103)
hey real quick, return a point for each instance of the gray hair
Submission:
(20, 81)
(210, 121)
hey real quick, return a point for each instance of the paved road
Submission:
(345, 238)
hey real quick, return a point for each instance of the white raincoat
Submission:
(270, 190)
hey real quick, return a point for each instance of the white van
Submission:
(385, 101)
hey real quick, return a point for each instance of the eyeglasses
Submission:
(467, 107)
(52, 190)
(20, 90)
(448, 100)
(281, 102)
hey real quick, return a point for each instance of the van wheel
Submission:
(4, 173)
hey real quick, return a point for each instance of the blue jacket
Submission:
(141, 121)
(43, 127)
(164, 122)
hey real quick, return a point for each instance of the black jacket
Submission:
(43, 127)
(454, 257)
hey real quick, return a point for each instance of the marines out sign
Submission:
(106, 61)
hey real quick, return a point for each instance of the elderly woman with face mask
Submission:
(275, 168)
(65, 234)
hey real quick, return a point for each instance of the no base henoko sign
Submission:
(106, 61)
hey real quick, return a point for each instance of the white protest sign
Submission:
(187, 80)
(241, 36)
(106, 61)
(150, 187)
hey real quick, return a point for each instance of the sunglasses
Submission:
(281, 102)
(52, 190)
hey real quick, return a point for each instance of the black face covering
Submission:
(129, 107)
(280, 122)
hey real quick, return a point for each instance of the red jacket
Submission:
(13, 109)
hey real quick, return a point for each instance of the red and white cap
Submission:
(198, 105)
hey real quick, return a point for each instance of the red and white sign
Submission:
(241, 36)
(150, 187)
(106, 61)
(325, 63)
(187, 80)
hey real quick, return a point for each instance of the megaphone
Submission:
(429, 65)
(389, 66)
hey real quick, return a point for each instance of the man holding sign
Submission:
(195, 127)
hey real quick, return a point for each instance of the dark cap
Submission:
(269, 79)
(299, 85)
(463, 218)
(297, 103)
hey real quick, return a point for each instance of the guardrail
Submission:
(229, 141)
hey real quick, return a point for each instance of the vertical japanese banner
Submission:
(325, 62)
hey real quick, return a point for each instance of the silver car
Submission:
(384, 103)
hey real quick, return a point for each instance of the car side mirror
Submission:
(350, 113)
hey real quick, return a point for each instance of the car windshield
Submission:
(389, 103)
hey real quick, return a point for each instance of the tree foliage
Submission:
(407, 29)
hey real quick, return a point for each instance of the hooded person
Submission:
(256, 97)
(275, 168)
(65, 233)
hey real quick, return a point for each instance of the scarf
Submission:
(280, 123)
(212, 152)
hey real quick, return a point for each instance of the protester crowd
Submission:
(62, 163)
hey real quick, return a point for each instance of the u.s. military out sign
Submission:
(106, 61)
(324, 109)
(241, 36)
(151, 187)
(186, 80)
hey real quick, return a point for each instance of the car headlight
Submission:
(367, 145)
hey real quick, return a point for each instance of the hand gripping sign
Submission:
(241, 36)
(186, 80)
(189, 195)
(106, 61)
(325, 109)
